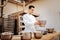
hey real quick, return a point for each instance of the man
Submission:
(29, 20)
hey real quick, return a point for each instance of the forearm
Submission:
(37, 23)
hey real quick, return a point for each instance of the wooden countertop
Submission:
(49, 36)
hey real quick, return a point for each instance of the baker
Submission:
(29, 20)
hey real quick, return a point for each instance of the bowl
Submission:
(43, 30)
(6, 36)
(38, 35)
(50, 30)
(26, 36)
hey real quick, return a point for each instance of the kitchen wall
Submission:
(49, 11)
(11, 8)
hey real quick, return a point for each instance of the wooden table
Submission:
(49, 36)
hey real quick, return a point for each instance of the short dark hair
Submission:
(31, 6)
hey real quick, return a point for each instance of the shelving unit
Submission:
(8, 25)
(21, 23)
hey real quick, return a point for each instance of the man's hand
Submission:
(37, 23)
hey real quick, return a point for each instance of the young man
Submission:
(29, 20)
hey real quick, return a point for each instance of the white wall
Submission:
(49, 10)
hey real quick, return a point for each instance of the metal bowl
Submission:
(43, 30)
